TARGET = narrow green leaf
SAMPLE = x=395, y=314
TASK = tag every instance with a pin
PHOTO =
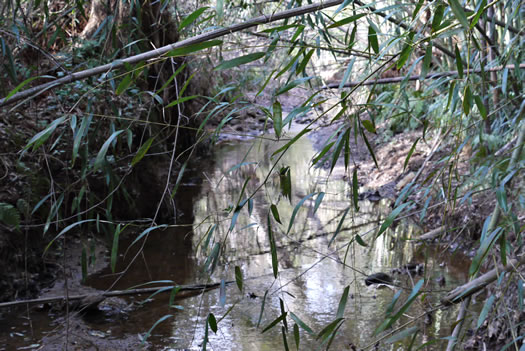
x=426, y=62
x=355, y=190
x=275, y=213
x=273, y=249
x=342, y=303
x=368, y=125
x=418, y=7
x=459, y=62
x=483, y=250
x=185, y=50
x=391, y=320
x=369, y=147
x=274, y=323
x=402, y=335
x=347, y=73
x=327, y=331
x=459, y=13
x=238, y=277
x=114, y=248
x=479, y=11
x=160, y=320
x=65, y=230
x=124, y=84
x=302, y=66
x=390, y=219
x=292, y=85
x=213, y=322
x=40, y=138
x=281, y=28
x=24, y=83
x=410, y=152
x=181, y=100
x=296, y=335
x=346, y=21
x=277, y=117
x=501, y=196
x=339, y=226
x=296, y=209
x=318, y=201
x=192, y=17
x=372, y=39
x=262, y=308
x=467, y=100
x=481, y=106
x=101, y=156
x=438, y=16
x=240, y=61
x=302, y=324
x=142, y=151
x=291, y=142
x=404, y=55
x=485, y=311
x=360, y=240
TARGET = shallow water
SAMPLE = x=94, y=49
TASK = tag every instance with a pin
x=312, y=274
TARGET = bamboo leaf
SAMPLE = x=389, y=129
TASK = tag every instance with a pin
x=124, y=84
x=372, y=39
x=302, y=324
x=239, y=61
x=101, y=156
x=192, y=17
x=292, y=85
x=291, y=142
x=272, y=324
x=212, y=322
x=40, y=138
x=275, y=213
x=390, y=219
x=438, y=16
x=277, y=117
x=185, y=50
x=273, y=249
x=142, y=151
x=459, y=62
x=23, y=84
x=410, y=152
x=318, y=201
x=114, y=248
x=346, y=21
x=296, y=209
x=459, y=13
x=485, y=311
x=339, y=226
x=342, y=303
x=355, y=190
x=426, y=62
x=160, y=320
x=238, y=278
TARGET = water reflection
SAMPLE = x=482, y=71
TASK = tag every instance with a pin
x=312, y=274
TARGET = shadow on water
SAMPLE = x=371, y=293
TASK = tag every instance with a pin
x=312, y=274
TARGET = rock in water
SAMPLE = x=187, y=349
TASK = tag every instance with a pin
x=378, y=278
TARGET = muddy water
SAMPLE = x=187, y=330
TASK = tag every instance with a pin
x=312, y=274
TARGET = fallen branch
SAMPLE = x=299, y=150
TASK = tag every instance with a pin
x=253, y=22
x=464, y=291
x=89, y=298
x=417, y=77
x=431, y=235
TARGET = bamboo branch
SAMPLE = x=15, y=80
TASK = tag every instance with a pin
x=253, y=22
x=466, y=290
x=416, y=77
x=101, y=296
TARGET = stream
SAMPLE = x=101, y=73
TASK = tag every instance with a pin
x=312, y=273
